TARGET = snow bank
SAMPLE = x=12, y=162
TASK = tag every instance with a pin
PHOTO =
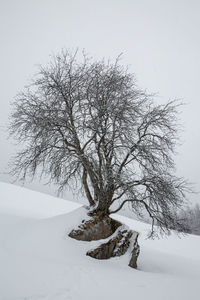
x=40, y=262
x=20, y=201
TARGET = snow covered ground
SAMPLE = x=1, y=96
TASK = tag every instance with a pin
x=39, y=262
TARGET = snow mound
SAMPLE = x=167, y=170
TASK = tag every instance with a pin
x=19, y=201
x=40, y=262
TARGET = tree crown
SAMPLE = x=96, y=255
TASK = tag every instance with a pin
x=87, y=120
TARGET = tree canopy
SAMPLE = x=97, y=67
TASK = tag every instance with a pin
x=87, y=121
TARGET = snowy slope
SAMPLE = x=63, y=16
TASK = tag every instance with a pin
x=39, y=262
x=20, y=201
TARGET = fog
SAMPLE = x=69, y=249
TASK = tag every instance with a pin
x=160, y=42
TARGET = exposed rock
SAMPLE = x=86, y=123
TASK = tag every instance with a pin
x=135, y=251
x=121, y=238
x=96, y=228
x=117, y=246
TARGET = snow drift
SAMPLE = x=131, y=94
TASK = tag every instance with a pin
x=40, y=262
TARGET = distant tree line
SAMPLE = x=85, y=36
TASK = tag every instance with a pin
x=191, y=217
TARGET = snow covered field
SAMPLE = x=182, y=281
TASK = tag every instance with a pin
x=39, y=262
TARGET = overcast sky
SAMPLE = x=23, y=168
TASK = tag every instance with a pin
x=159, y=39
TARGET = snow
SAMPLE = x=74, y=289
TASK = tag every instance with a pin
x=38, y=261
x=19, y=201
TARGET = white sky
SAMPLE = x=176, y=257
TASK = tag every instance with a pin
x=160, y=40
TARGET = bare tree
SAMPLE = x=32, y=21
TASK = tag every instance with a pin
x=87, y=121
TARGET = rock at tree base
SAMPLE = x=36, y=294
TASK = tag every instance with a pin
x=96, y=228
x=121, y=238
x=117, y=246
x=135, y=251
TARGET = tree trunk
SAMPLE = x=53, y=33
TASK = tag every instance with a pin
x=87, y=191
x=104, y=200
